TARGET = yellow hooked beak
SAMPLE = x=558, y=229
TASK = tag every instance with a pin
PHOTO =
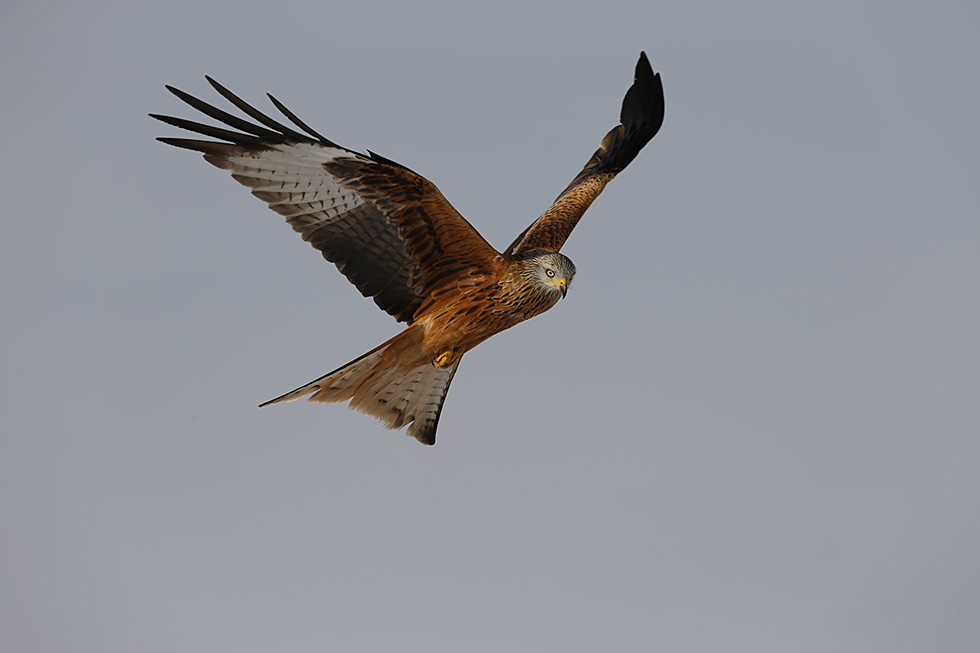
x=562, y=285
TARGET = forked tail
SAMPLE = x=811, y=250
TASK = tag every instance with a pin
x=392, y=382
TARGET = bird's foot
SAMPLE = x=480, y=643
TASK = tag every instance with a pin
x=448, y=358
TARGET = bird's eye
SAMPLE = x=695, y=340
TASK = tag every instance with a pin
x=550, y=272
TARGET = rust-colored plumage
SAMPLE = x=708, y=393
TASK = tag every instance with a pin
x=399, y=241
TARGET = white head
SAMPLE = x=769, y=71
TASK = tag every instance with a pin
x=551, y=273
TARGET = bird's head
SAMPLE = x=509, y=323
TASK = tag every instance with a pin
x=550, y=272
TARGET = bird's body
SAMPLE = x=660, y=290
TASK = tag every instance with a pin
x=396, y=238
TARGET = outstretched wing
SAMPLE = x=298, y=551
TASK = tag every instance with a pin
x=641, y=118
x=389, y=230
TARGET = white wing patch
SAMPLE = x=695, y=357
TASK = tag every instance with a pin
x=292, y=180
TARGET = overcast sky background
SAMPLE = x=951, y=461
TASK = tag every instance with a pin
x=752, y=425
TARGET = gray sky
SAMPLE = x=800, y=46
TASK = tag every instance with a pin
x=752, y=426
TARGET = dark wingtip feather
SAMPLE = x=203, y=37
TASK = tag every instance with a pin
x=299, y=123
x=208, y=148
x=238, y=138
x=643, y=105
x=254, y=113
x=641, y=117
x=224, y=116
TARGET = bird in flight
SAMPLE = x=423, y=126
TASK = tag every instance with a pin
x=399, y=241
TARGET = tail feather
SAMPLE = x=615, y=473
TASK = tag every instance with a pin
x=382, y=385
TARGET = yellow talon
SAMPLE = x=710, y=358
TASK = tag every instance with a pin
x=447, y=358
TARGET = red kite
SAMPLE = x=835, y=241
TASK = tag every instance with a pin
x=394, y=236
